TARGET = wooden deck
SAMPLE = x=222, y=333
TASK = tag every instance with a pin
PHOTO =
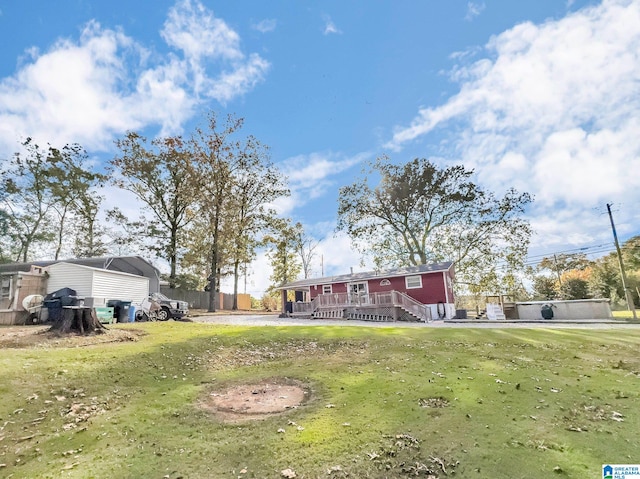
x=387, y=306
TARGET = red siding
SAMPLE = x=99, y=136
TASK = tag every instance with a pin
x=335, y=288
x=432, y=291
x=434, y=286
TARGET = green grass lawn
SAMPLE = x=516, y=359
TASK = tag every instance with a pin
x=382, y=402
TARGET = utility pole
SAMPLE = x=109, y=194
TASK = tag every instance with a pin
x=627, y=294
x=555, y=261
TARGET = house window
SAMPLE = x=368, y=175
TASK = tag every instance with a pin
x=413, y=282
x=326, y=289
x=385, y=282
x=5, y=287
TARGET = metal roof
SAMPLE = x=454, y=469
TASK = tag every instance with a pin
x=304, y=284
x=125, y=264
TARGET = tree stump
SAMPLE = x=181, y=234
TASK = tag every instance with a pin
x=78, y=319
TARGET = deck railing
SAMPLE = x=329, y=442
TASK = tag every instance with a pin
x=388, y=298
x=415, y=307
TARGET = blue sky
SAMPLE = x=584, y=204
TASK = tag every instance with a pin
x=541, y=95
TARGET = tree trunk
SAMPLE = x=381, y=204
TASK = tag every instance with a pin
x=78, y=320
x=173, y=256
x=235, y=285
x=214, y=263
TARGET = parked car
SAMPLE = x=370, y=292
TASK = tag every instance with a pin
x=168, y=308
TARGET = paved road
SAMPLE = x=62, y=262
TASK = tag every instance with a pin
x=274, y=320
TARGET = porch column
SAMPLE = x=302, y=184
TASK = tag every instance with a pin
x=284, y=303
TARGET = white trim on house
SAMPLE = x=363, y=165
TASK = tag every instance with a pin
x=325, y=290
x=407, y=279
x=358, y=291
x=446, y=286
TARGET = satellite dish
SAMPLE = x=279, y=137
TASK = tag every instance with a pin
x=33, y=302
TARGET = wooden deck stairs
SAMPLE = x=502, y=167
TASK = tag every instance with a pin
x=388, y=306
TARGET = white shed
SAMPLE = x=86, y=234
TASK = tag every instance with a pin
x=96, y=283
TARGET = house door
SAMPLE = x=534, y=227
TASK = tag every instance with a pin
x=358, y=293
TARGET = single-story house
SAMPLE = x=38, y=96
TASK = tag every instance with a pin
x=417, y=293
x=135, y=265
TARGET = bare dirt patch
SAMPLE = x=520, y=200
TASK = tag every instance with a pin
x=40, y=337
x=256, y=400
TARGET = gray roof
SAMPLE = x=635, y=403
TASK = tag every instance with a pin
x=124, y=264
x=304, y=284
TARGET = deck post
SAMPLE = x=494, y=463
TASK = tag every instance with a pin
x=284, y=304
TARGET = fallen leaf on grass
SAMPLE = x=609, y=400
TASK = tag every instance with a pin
x=576, y=429
x=288, y=473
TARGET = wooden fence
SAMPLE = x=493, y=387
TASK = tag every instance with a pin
x=200, y=299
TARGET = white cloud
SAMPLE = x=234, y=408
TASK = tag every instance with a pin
x=96, y=87
x=310, y=176
x=240, y=80
x=192, y=28
x=265, y=26
x=329, y=26
x=338, y=256
x=474, y=9
x=553, y=110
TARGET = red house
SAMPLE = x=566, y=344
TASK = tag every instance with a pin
x=417, y=293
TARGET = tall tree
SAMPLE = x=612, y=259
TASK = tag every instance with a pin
x=545, y=287
x=5, y=243
x=605, y=280
x=257, y=184
x=562, y=262
x=305, y=246
x=216, y=151
x=89, y=238
x=27, y=199
x=285, y=262
x=71, y=186
x=158, y=175
x=420, y=213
